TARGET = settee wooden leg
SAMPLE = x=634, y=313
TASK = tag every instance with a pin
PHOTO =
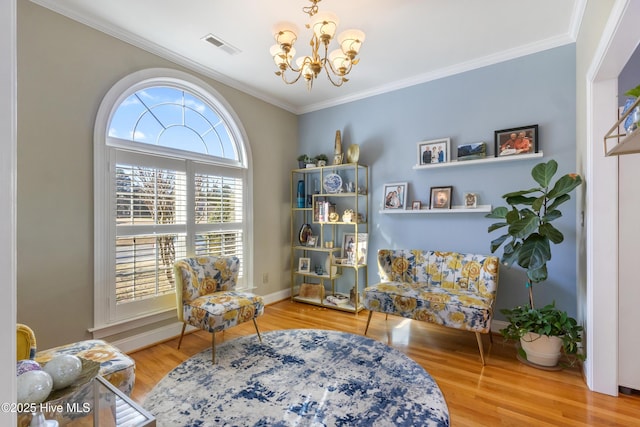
x=213, y=347
x=184, y=326
x=368, y=321
x=257, y=331
x=479, y=339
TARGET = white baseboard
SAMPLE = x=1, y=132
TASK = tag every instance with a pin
x=277, y=296
x=167, y=332
x=496, y=325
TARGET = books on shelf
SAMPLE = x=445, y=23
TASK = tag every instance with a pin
x=322, y=209
x=337, y=300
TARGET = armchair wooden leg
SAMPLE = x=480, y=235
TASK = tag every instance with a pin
x=213, y=347
x=368, y=321
x=184, y=326
x=257, y=331
x=479, y=339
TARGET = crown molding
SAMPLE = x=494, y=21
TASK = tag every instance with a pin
x=485, y=61
x=162, y=52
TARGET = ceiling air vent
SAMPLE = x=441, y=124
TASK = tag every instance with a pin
x=221, y=44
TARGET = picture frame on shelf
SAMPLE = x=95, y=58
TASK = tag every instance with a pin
x=352, y=253
x=474, y=151
x=470, y=200
x=395, y=196
x=416, y=205
x=304, y=265
x=434, y=151
x=516, y=141
x=312, y=241
x=441, y=197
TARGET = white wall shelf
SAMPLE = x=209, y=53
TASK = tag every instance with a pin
x=454, y=210
x=453, y=163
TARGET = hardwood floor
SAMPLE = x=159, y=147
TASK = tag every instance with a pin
x=505, y=392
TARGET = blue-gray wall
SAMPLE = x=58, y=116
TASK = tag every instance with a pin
x=467, y=107
x=629, y=76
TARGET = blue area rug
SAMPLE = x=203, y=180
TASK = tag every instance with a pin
x=299, y=377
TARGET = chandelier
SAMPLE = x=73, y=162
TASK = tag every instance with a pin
x=336, y=64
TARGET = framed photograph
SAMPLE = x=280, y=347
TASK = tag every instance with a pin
x=312, y=241
x=304, y=265
x=434, y=151
x=395, y=196
x=522, y=140
x=470, y=200
x=352, y=252
x=477, y=150
x=416, y=205
x=440, y=197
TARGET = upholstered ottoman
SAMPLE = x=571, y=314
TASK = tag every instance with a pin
x=115, y=366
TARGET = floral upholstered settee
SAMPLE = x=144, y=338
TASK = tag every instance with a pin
x=456, y=290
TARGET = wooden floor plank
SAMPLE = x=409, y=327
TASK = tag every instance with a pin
x=505, y=392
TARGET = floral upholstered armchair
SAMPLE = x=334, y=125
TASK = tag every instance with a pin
x=207, y=299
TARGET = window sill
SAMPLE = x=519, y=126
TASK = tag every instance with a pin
x=106, y=330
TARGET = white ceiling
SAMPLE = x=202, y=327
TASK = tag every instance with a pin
x=407, y=41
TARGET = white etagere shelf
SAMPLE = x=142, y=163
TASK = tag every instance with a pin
x=454, y=210
x=454, y=163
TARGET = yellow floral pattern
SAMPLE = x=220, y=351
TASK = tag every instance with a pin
x=453, y=289
x=206, y=295
x=115, y=366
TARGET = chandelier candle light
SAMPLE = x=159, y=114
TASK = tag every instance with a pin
x=336, y=64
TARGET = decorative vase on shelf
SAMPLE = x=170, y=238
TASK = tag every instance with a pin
x=631, y=122
x=300, y=194
x=337, y=150
x=353, y=153
x=328, y=268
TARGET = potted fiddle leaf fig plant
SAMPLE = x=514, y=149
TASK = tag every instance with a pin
x=527, y=242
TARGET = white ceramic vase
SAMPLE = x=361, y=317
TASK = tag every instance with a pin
x=541, y=349
x=330, y=270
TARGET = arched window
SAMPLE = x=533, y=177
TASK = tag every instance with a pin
x=171, y=175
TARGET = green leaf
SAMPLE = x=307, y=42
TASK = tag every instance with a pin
x=538, y=203
x=552, y=233
x=520, y=193
x=635, y=92
x=558, y=201
x=565, y=185
x=497, y=226
x=535, y=252
x=510, y=254
x=520, y=200
x=551, y=215
x=495, y=244
x=499, y=212
x=543, y=172
x=537, y=275
x=512, y=216
x=524, y=226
